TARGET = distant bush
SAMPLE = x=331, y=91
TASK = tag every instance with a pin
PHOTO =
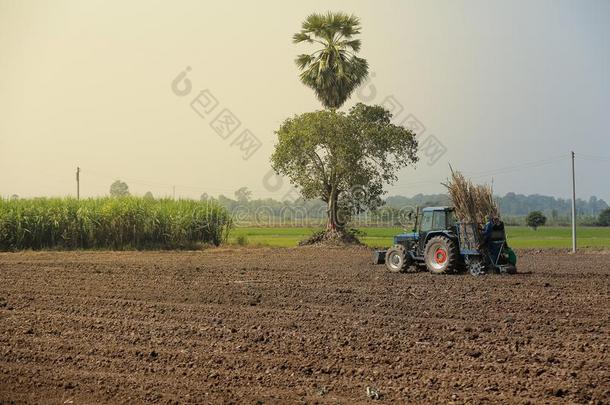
x=110, y=223
x=535, y=219
x=604, y=218
x=242, y=240
x=586, y=220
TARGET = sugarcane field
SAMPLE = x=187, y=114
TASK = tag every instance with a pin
x=304, y=202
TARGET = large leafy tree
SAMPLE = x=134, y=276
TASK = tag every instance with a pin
x=343, y=159
x=333, y=71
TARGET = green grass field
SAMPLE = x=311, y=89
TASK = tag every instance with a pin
x=518, y=236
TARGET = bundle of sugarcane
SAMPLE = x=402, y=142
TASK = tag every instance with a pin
x=472, y=202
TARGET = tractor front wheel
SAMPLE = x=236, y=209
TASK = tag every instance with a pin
x=441, y=255
x=397, y=260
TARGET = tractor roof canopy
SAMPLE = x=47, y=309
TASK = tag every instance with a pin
x=427, y=209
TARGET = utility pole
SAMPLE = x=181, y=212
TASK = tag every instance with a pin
x=78, y=183
x=573, y=207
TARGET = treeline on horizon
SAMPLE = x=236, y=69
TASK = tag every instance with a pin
x=512, y=204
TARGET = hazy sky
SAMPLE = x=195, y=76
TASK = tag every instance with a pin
x=507, y=87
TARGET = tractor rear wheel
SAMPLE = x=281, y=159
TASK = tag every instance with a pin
x=441, y=255
x=397, y=260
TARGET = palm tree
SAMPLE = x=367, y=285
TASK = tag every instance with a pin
x=334, y=71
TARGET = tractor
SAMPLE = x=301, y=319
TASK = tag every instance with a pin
x=445, y=245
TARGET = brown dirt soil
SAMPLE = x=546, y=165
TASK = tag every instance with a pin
x=299, y=325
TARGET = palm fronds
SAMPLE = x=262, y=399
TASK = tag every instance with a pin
x=333, y=71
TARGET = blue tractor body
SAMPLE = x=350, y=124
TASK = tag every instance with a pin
x=405, y=238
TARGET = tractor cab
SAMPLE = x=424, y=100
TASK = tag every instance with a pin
x=429, y=221
x=432, y=221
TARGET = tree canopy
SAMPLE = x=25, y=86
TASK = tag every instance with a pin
x=243, y=194
x=119, y=189
x=535, y=219
x=343, y=159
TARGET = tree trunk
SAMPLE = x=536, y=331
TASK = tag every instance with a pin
x=331, y=222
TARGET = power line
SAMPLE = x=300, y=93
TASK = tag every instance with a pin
x=495, y=172
x=475, y=175
x=517, y=167
x=604, y=159
x=169, y=186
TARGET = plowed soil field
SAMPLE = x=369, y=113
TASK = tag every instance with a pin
x=300, y=325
